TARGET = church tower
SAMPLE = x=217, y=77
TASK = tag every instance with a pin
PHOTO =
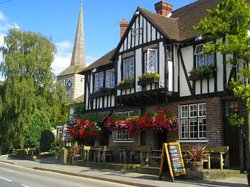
x=71, y=77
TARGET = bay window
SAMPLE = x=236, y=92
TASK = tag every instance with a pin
x=110, y=78
x=98, y=82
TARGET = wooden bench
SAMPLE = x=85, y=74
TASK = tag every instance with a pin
x=143, y=151
x=217, y=152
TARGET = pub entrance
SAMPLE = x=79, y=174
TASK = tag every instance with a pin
x=232, y=134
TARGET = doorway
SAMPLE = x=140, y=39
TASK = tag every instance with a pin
x=232, y=134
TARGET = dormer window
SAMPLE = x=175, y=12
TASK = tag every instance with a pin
x=129, y=67
x=151, y=61
x=203, y=59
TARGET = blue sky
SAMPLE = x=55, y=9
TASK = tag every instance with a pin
x=57, y=20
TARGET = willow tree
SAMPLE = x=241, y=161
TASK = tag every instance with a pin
x=228, y=28
x=29, y=83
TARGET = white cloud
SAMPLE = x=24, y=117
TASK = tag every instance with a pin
x=2, y=16
x=62, y=57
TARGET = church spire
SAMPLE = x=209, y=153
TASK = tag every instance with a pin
x=78, y=55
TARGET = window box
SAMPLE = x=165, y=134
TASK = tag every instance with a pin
x=203, y=72
x=148, y=78
x=148, y=81
x=102, y=92
x=126, y=84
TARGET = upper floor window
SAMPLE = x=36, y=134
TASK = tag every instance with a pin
x=99, y=77
x=110, y=78
x=193, y=125
x=203, y=59
x=151, y=61
x=129, y=67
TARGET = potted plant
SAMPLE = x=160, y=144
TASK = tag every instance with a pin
x=148, y=78
x=196, y=155
x=194, y=74
x=126, y=83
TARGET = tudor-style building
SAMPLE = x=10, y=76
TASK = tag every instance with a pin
x=166, y=43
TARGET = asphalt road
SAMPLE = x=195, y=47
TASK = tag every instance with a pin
x=17, y=176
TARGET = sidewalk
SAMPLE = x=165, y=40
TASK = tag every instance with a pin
x=135, y=179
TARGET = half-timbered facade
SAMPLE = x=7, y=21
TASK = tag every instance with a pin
x=165, y=44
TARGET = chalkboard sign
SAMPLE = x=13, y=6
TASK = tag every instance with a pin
x=172, y=153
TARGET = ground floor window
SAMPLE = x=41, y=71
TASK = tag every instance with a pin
x=193, y=125
x=123, y=136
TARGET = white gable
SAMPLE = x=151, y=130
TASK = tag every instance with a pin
x=140, y=32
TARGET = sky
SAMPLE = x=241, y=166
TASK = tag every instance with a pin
x=57, y=20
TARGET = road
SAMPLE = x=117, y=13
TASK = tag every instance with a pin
x=18, y=176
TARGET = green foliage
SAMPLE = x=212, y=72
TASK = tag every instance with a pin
x=236, y=120
x=29, y=84
x=58, y=146
x=149, y=76
x=38, y=123
x=127, y=81
x=203, y=72
x=47, y=139
x=229, y=26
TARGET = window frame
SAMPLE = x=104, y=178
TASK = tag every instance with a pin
x=147, y=63
x=128, y=69
x=110, y=78
x=98, y=81
x=193, y=122
x=205, y=57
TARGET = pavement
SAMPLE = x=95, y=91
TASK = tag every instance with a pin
x=130, y=178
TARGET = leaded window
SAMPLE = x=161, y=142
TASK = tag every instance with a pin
x=129, y=68
x=99, y=77
x=193, y=125
x=203, y=59
x=151, y=61
x=110, y=78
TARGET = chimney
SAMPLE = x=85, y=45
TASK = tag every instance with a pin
x=123, y=27
x=163, y=8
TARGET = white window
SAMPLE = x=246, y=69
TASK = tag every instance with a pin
x=123, y=136
x=110, y=78
x=203, y=59
x=98, y=81
x=151, y=61
x=129, y=67
x=193, y=124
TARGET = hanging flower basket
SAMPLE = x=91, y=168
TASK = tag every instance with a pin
x=160, y=121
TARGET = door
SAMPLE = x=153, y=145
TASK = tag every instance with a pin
x=231, y=134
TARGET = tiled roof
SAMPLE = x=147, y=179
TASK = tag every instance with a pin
x=180, y=26
x=103, y=61
x=79, y=99
x=73, y=69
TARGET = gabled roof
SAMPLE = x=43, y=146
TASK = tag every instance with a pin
x=73, y=69
x=180, y=26
x=103, y=61
x=167, y=26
